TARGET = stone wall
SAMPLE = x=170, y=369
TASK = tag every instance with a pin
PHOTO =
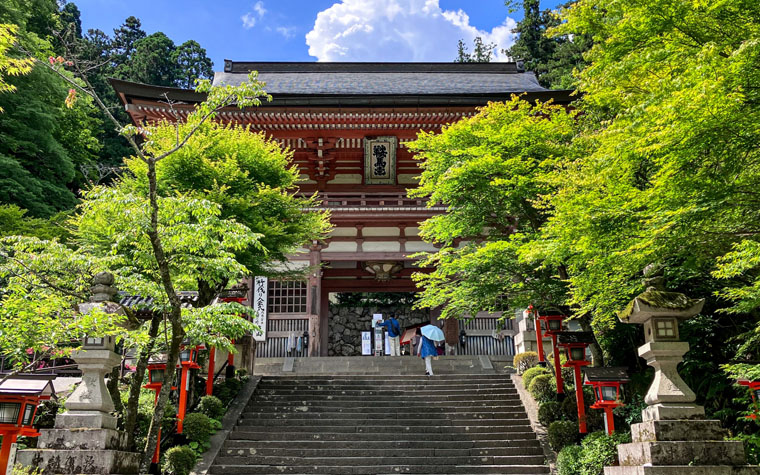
x=345, y=326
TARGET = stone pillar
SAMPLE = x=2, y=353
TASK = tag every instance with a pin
x=85, y=439
x=674, y=437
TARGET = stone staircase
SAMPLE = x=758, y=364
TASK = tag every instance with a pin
x=382, y=424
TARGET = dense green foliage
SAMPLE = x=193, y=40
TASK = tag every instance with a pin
x=561, y=434
x=554, y=57
x=658, y=165
x=251, y=178
x=50, y=148
x=596, y=451
x=549, y=412
x=568, y=460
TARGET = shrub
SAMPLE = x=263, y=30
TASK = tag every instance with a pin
x=561, y=434
x=599, y=450
x=568, y=460
x=531, y=373
x=179, y=460
x=212, y=406
x=227, y=390
x=594, y=417
x=524, y=361
x=549, y=412
x=197, y=427
x=543, y=388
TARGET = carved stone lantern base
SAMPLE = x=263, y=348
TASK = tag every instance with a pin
x=681, y=447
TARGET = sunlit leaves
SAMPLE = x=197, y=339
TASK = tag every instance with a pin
x=491, y=171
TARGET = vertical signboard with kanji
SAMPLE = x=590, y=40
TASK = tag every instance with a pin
x=260, y=288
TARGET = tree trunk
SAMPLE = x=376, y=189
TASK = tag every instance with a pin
x=113, y=390
x=163, y=396
x=596, y=350
x=130, y=416
x=175, y=316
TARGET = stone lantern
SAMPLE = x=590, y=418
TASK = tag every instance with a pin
x=674, y=437
x=85, y=439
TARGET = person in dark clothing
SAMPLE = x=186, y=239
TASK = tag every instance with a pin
x=394, y=333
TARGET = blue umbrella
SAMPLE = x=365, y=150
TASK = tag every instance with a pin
x=432, y=332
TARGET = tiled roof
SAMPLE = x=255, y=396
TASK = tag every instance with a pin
x=614, y=373
x=139, y=303
x=384, y=78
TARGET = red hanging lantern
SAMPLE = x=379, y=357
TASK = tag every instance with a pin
x=553, y=325
x=19, y=397
x=575, y=343
x=606, y=383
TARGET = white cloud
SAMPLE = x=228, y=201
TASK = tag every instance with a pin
x=398, y=30
x=286, y=31
x=250, y=18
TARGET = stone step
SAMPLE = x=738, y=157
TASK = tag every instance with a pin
x=383, y=415
x=376, y=436
x=332, y=405
x=359, y=422
x=253, y=435
x=388, y=459
x=377, y=427
x=387, y=392
x=422, y=398
x=352, y=384
x=381, y=452
x=371, y=444
x=431, y=467
x=443, y=379
x=299, y=407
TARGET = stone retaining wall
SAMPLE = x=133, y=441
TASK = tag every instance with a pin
x=346, y=324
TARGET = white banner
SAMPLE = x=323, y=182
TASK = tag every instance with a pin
x=366, y=343
x=260, y=293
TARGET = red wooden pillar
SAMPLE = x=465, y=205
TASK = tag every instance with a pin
x=182, y=399
x=579, y=400
x=211, y=369
x=9, y=437
x=557, y=366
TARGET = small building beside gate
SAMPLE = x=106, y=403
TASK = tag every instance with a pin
x=348, y=125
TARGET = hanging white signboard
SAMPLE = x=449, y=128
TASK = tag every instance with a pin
x=260, y=290
x=366, y=343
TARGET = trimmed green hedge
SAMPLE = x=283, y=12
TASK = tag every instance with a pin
x=179, y=460
x=543, y=388
x=532, y=373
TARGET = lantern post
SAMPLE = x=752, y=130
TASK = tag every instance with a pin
x=553, y=325
x=575, y=343
x=539, y=335
x=188, y=359
x=606, y=383
x=238, y=295
x=156, y=378
x=19, y=397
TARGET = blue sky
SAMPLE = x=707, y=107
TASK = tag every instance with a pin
x=312, y=30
